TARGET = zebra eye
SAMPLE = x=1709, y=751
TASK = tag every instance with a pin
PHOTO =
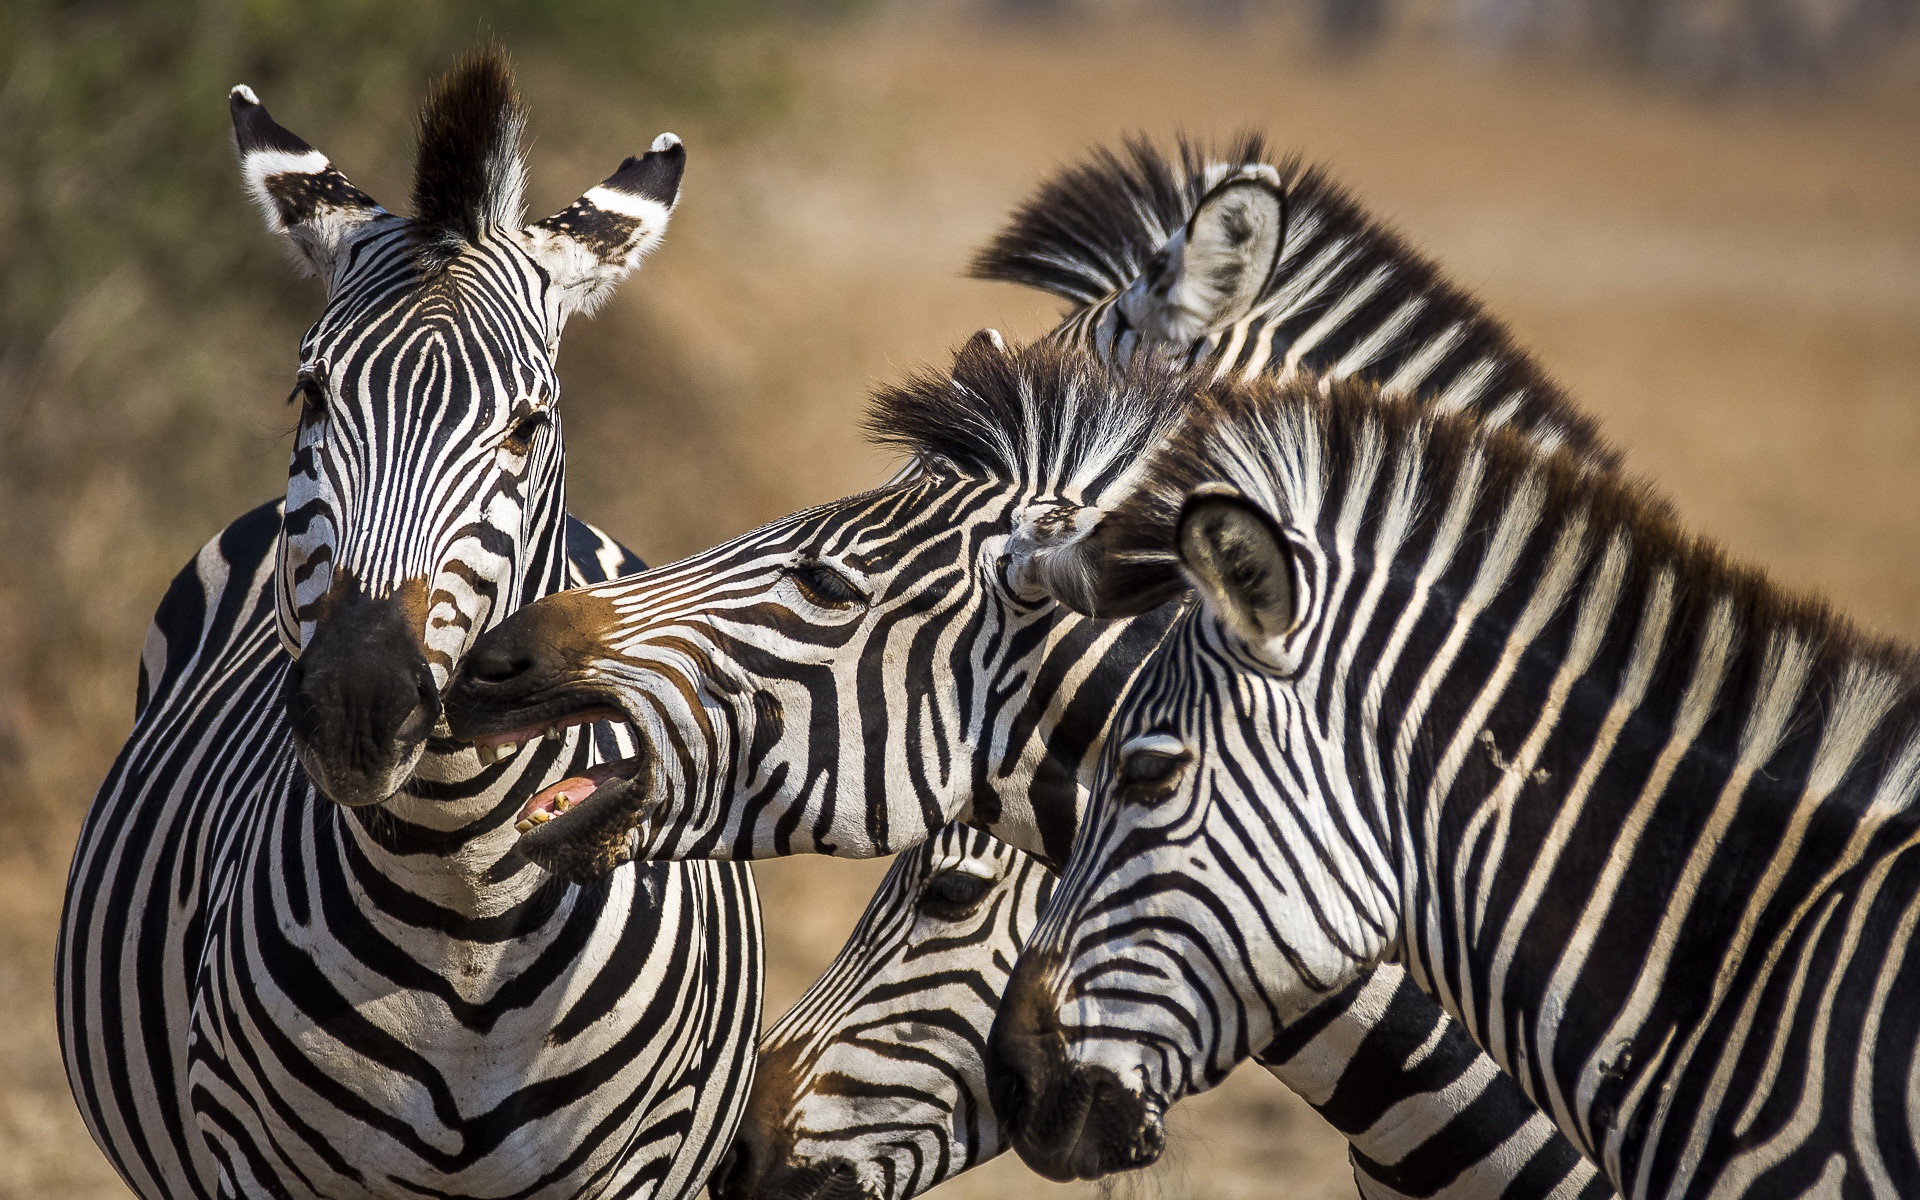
x=1148, y=772
x=312, y=396
x=824, y=586
x=519, y=437
x=953, y=894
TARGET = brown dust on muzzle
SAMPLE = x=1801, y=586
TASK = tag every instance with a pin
x=530, y=676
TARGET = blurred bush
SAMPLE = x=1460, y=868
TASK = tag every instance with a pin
x=147, y=322
x=1750, y=46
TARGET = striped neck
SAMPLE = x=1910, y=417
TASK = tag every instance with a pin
x=1620, y=787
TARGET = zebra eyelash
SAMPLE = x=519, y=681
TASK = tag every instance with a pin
x=1151, y=766
x=311, y=392
x=519, y=436
x=953, y=894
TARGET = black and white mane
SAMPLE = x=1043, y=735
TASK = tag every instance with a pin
x=1054, y=420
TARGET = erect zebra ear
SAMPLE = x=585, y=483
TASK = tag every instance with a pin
x=302, y=193
x=1240, y=564
x=1211, y=273
x=592, y=244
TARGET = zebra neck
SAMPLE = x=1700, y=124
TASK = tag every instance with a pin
x=1625, y=808
x=448, y=840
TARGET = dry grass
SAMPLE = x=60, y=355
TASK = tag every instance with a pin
x=1733, y=290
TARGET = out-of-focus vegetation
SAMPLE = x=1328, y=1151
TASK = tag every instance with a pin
x=1753, y=46
x=148, y=323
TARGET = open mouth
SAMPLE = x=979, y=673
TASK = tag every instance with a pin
x=499, y=747
x=580, y=828
x=563, y=797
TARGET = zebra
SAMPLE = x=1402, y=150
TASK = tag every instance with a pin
x=1642, y=820
x=874, y=1083
x=1122, y=209
x=299, y=956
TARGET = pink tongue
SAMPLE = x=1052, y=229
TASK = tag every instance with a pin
x=575, y=790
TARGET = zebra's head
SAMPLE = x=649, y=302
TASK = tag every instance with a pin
x=425, y=499
x=1230, y=874
x=848, y=679
x=877, y=1075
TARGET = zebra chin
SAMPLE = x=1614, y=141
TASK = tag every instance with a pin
x=1085, y=1124
x=582, y=840
x=1067, y=1120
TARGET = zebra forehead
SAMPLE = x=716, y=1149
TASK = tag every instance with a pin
x=1051, y=419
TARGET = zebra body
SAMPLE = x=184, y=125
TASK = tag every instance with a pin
x=299, y=956
x=1642, y=822
x=807, y=639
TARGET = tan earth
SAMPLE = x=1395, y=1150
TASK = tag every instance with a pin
x=1733, y=288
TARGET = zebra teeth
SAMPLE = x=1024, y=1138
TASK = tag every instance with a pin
x=523, y=826
x=561, y=803
x=490, y=755
x=540, y=817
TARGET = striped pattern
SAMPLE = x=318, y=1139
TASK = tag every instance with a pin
x=1640, y=820
x=1344, y=296
x=810, y=640
x=262, y=992
x=860, y=1082
x=948, y=529
x=877, y=1076
x=874, y=1076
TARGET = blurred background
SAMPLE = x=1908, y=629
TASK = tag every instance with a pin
x=1703, y=214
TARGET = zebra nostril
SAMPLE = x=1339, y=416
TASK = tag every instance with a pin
x=733, y=1174
x=496, y=666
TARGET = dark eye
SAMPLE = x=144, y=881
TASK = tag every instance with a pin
x=953, y=894
x=824, y=586
x=519, y=437
x=312, y=395
x=1148, y=772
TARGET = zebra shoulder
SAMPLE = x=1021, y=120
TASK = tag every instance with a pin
x=221, y=592
x=593, y=556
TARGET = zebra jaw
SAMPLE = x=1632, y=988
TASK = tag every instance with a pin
x=560, y=798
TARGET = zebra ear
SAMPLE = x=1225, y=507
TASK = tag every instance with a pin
x=588, y=247
x=1211, y=273
x=302, y=193
x=1240, y=564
